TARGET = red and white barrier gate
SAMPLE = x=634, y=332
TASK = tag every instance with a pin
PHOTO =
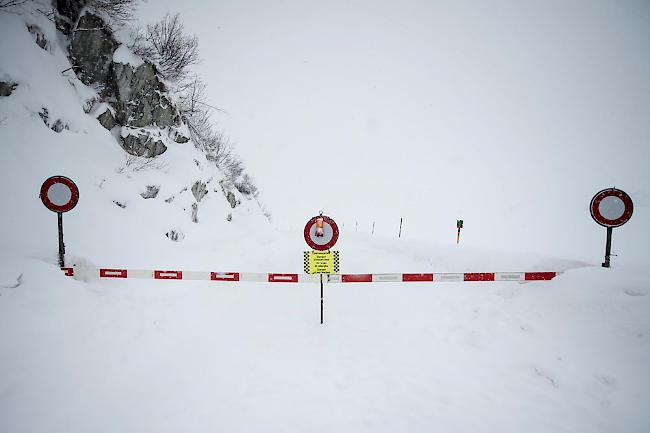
x=307, y=278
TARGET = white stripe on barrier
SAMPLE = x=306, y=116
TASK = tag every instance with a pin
x=106, y=273
x=443, y=278
x=387, y=278
x=509, y=276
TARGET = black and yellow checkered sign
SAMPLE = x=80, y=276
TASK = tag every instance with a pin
x=321, y=262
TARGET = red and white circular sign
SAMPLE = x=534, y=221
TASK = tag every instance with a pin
x=59, y=194
x=611, y=207
x=321, y=233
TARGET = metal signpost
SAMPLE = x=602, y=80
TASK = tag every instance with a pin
x=321, y=233
x=611, y=208
x=59, y=194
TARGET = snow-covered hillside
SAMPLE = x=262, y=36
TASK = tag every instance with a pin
x=80, y=355
x=113, y=222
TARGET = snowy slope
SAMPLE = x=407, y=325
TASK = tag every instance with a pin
x=135, y=355
x=98, y=229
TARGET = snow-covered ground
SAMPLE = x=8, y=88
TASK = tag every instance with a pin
x=137, y=355
x=567, y=355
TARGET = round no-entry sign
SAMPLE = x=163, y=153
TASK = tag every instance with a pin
x=321, y=233
x=611, y=207
x=59, y=194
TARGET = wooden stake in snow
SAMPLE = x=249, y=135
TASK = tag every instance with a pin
x=459, y=225
x=400, y=228
x=373, y=227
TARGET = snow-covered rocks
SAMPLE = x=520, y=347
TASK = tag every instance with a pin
x=140, y=142
x=91, y=51
x=7, y=88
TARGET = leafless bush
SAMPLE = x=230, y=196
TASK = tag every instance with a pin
x=246, y=186
x=135, y=164
x=119, y=12
x=11, y=3
x=166, y=43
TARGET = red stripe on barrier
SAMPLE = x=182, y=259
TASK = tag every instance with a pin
x=417, y=277
x=283, y=278
x=68, y=272
x=168, y=275
x=356, y=278
x=537, y=276
x=113, y=273
x=479, y=276
x=224, y=276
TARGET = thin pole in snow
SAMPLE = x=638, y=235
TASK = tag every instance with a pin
x=61, y=244
x=321, y=299
x=608, y=247
x=400, y=228
x=373, y=227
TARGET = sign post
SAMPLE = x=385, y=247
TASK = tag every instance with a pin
x=459, y=225
x=611, y=208
x=59, y=194
x=321, y=233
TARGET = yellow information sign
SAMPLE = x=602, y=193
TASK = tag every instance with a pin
x=321, y=262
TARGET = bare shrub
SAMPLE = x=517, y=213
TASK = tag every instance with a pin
x=11, y=3
x=119, y=12
x=169, y=46
x=138, y=163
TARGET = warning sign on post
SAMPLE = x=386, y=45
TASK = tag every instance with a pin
x=321, y=262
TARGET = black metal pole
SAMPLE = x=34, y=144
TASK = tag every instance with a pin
x=608, y=247
x=321, y=299
x=61, y=244
x=400, y=228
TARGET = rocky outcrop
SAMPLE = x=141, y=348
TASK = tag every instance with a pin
x=231, y=199
x=134, y=95
x=195, y=213
x=7, y=88
x=177, y=136
x=107, y=120
x=175, y=235
x=151, y=192
x=141, y=99
x=67, y=14
x=57, y=126
x=39, y=37
x=91, y=51
x=199, y=190
x=140, y=143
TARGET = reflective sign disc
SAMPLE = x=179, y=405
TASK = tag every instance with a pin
x=59, y=194
x=611, y=207
x=321, y=233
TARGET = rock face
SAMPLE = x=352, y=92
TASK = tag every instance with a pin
x=199, y=190
x=135, y=95
x=175, y=235
x=39, y=37
x=7, y=88
x=178, y=137
x=107, y=119
x=142, y=144
x=91, y=51
x=70, y=8
x=231, y=199
x=140, y=97
x=151, y=192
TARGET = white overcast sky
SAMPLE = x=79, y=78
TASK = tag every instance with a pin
x=509, y=114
